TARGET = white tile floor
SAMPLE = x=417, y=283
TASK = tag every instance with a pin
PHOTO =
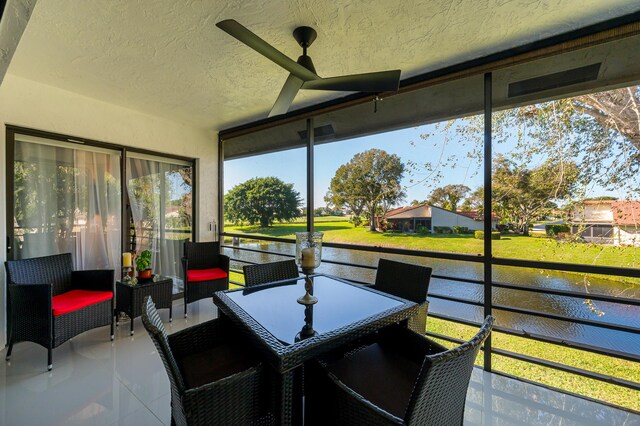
x=98, y=382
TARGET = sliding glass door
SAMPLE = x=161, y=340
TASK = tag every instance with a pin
x=159, y=191
x=67, y=198
x=96, y=201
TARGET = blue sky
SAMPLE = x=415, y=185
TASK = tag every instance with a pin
x=406, y=143
x=450, y=153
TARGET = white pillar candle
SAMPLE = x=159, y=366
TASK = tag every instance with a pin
x=126, y=260
x=308, y=258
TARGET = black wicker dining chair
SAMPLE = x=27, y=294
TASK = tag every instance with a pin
x=49, y=303
x=205, y=271
x=408, y=281
x=402, y=379
x=214, y=376
x=268, y=272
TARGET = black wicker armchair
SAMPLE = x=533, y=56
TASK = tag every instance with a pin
x=269, y=272
x=215, y=378
x=49, y=302
x=402, y=379
x=408, y=281
x=205, y=271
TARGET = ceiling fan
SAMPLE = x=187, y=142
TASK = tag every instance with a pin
x=303, y=74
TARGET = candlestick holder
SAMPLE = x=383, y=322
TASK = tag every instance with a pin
x=308, y=256
x=126, y=277
x=308, y=298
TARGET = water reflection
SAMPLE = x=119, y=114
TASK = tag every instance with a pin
x=558, y=305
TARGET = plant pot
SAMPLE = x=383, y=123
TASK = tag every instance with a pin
x=144, y=275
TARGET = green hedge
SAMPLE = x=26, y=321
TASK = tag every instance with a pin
x=480, y=235
x=423, y=230
x=442, y=230
x=553, y=230
x=460, y=230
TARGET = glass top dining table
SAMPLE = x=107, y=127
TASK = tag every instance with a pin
x=289, y=334
x=340, y=304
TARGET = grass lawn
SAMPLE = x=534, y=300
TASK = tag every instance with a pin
x=587, y=361
x=509, y=246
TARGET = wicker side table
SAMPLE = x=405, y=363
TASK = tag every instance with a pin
x=130, y=295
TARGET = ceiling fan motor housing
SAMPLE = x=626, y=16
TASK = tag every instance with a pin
x=305, y=36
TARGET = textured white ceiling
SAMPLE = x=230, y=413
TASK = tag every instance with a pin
x=168, y=59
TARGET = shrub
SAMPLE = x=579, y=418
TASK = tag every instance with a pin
x=460, y=230
x=423, y=230
x=480, y=235
x=553, y=230
x=442, y=230
x=356, y=220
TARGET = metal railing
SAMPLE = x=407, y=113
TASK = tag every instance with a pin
x=576, y=268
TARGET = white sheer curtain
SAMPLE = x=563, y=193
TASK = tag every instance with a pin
x=67, y=199
x=159, y=196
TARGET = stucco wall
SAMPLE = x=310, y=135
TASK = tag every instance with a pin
x=30, y=104
x=628, y=235
x=441, y=217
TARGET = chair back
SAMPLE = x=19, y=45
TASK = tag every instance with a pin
x=440, y=392
x=404, y=280
x=153, y=324
x=268, y=272
x=202, y=255
x=55, y=269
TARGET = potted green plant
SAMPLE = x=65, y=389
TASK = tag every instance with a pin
x=143, y=265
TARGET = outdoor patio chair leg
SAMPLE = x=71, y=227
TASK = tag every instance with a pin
x=171, y=313
x=9, y=349
x=49, y=359
x=185, y=307
x=113, y=321
x=131, y=328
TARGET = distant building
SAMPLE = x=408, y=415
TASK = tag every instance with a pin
x=614, y=222
x=409, y=219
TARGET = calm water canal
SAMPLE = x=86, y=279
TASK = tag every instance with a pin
x=565, y=306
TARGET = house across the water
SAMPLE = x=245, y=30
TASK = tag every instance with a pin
x=410, y=219
x=614, y=222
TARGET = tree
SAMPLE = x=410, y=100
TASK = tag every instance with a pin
x=475, y=201
x=448, y=197
x=600, y=132
x=369, y=180
x=524, y=195
x=263, y=201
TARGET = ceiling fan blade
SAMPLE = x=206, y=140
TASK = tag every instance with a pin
x=242, y=34
x=382, y=81
x=286, y=96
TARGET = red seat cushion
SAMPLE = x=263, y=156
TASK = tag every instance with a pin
x=194, y=275
x=77, y=299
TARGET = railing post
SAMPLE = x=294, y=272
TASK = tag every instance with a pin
x=487, y=214
x=220, y=188
x=310, y=140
